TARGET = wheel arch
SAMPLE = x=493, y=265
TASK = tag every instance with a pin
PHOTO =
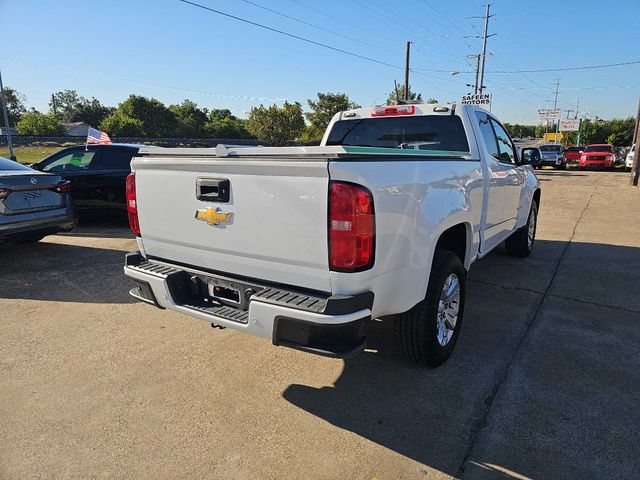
x=457, y=238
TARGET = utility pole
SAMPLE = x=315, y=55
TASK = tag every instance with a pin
x=481, y=57
x=635, y=166
x=5, y=113
x=484, y=46
x=555, y=105
x=406, y=73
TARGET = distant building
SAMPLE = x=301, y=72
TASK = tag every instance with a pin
x=76, y=129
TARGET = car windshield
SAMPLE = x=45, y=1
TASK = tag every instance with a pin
x=425, y=132
x=574, y=149
x=599, y=148
x=551, y=148
x=10, y=165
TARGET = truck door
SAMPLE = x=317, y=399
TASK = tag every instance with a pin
x=515, y=176
x=500, y=174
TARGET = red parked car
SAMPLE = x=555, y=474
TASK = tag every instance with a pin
x=573, y=154
x=597, y=155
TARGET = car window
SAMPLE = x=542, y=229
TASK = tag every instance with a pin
x=116, y=159
x=488, y=135
x=72, y=161
x=599, y=148
x=424, y=132
x=551, y=148
x=507, y=153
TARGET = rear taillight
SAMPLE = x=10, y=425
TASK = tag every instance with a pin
x=132, y=205
x=4, y=193
x=64, y=187
x=393, y=110
x=352, y=230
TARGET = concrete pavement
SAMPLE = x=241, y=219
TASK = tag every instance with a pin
x=544, y=382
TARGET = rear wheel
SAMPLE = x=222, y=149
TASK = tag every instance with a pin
x=520, y=243
x=428, y=332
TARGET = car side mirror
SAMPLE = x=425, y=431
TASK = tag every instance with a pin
x=36, y=166
x=530, y=156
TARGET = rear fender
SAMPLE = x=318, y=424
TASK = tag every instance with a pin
x=531, y=184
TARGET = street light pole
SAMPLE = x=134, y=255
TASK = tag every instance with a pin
x=5, y=113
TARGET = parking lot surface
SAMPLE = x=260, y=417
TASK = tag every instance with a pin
x=544, y=382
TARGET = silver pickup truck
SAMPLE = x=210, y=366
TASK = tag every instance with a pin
x=304, y=245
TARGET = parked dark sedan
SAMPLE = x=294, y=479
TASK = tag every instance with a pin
x=97, y=174
x=32, y=204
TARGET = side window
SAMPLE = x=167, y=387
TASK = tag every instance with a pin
x=116, y=159
x=488, y=135
x=507, y=153
x=72, y=161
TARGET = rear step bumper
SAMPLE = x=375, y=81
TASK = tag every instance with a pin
x=329, y=325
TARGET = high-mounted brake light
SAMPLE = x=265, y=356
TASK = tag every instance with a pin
x=393, y=110
x=352, y=230
x=132, y=204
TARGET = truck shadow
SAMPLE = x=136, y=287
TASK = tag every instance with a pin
x=433, y=415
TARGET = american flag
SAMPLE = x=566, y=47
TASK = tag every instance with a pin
x=96, y=136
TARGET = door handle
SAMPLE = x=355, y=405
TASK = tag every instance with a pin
x=213, y=189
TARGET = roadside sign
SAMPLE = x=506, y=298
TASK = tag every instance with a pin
x=481, y=100
x=553, y=137
x=569, y=125
x=549, y=113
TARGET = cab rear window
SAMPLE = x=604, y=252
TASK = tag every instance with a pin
x=434, y=132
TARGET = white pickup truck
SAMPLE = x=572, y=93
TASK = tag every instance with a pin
x=304, y=245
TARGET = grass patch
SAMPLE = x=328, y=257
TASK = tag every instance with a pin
x=29, y=154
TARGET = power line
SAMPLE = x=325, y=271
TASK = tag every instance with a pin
x=541, y=70
x=290, y=35
x=74, y=69
x=309, y=24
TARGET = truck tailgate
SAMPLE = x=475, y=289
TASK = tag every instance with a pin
x=277, y=230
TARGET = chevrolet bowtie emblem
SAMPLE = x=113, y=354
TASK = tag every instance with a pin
x=213, y=216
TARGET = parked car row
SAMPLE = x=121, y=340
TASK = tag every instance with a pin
x=47, y=197
x=600, y=156
x=629, y=158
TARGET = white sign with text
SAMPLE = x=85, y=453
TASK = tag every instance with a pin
x=481, y=100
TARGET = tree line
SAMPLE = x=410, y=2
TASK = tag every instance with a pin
x=618, y=132
x=139, y=116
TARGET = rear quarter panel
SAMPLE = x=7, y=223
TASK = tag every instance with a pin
x=414, y=201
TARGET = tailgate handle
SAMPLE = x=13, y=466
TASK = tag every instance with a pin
x=212, y=189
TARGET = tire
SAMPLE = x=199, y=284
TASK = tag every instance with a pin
x=417, y=330
x=562, y=167
x=519, y=244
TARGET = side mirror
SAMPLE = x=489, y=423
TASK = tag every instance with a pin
x=530, y=156
x=36, y=166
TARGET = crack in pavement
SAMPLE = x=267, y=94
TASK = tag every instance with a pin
x=481, y=423
x=554, y=295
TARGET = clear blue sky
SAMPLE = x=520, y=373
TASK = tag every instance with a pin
x=170, y=51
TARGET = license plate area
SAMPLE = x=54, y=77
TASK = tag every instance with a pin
x=230, y=292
